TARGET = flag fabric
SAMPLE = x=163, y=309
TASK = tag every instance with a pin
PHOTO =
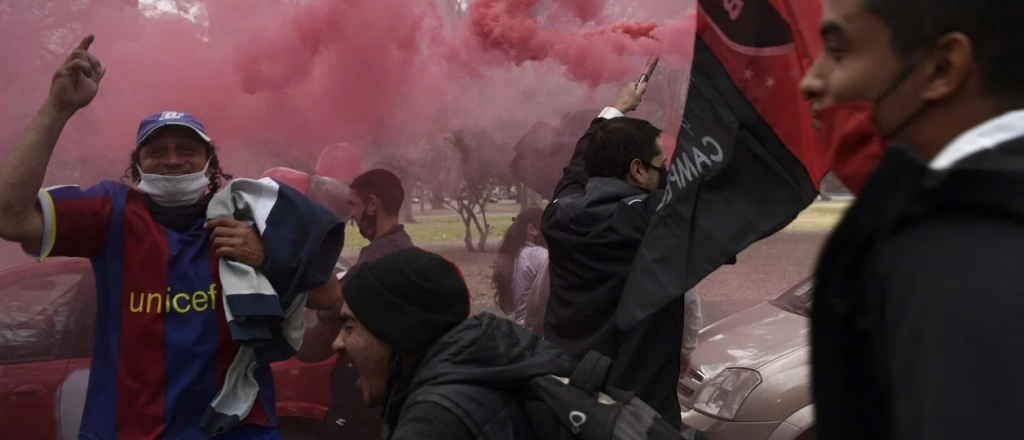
x=746, y=161
x=545, y=148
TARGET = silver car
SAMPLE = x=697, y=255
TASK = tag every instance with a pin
x=750, y=377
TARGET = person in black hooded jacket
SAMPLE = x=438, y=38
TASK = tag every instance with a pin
x=438, y=374
x=916, y=325
x=594, y=226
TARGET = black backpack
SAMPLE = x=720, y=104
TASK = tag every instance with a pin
x=582, y=407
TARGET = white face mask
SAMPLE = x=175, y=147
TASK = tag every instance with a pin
x=175, y=190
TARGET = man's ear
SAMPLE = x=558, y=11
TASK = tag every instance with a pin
x=951, y=67
x=636, y=170
x=372, y=205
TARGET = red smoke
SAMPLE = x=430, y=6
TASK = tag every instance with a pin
x=593, y=55
x=276, y=82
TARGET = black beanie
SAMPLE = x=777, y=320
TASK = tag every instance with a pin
x=408, y=299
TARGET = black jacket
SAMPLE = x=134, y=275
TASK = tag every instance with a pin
x=917, y=321
x=594, y=227
x=464, y=386
x=348, y=416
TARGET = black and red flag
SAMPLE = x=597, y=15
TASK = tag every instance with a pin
x=545, y=148
x=746, y=161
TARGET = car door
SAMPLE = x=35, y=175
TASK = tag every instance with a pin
x=76, y=347
x=35, y=303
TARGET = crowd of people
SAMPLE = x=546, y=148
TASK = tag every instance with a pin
x=919, y=104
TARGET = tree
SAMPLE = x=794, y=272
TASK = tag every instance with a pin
x=483, y=160
x=459, y=169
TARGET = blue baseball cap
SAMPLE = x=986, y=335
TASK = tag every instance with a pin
x=153, y=122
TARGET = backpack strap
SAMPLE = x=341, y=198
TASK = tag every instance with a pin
x=438, y=395
x=592, y=373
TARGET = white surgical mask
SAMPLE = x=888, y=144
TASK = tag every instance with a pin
x=175, y=190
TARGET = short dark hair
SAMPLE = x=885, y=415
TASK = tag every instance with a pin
x=384, y=185
x=616, y=143
x=992, y=25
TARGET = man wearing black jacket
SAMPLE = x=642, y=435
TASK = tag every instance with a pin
x=594, y=226
x=437, y=374
x=917, y=329
x=375, y=199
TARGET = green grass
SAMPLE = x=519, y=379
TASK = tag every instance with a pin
x=442, y=231
x=820, y=216
x=441, y=228
x=444, y=226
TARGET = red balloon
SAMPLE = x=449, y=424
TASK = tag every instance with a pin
x=340, y=162
x=288, y=176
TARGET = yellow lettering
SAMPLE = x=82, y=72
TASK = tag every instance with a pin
x=213, y=296
x=178, y=308
x=199, y=301
x=131, y=302
x=149, y=302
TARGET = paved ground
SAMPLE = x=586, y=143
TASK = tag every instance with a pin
x=762, y=272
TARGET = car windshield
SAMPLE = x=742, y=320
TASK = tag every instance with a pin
x=798, y=299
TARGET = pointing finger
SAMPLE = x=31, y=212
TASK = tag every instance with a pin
x=86, y=42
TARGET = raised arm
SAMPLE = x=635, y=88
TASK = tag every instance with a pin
x=74, y=86
x=574, y=176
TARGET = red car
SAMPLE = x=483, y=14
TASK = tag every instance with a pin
x=47, y=311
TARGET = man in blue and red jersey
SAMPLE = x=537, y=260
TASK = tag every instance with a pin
x=163, y=346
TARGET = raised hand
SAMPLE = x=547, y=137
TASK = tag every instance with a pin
x=77, y=80
x=630, y=97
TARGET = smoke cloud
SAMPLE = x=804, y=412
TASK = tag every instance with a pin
x=277, y=81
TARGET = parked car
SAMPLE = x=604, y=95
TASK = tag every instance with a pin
x=47, y=311
x=750, y=376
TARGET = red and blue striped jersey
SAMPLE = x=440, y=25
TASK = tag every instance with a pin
x=162, y=345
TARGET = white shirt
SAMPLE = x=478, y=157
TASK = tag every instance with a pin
x=528, y=264
x=610, y=113
x=989, y=134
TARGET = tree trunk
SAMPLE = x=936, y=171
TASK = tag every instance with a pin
x=436, y=200
x=469, y=238
x=464, y=214
x=485, y=232
x=407, y=217
x=479, y=230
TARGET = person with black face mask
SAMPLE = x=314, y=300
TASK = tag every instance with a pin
x=594, y=225
x=375, y=199
x=916, y=325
